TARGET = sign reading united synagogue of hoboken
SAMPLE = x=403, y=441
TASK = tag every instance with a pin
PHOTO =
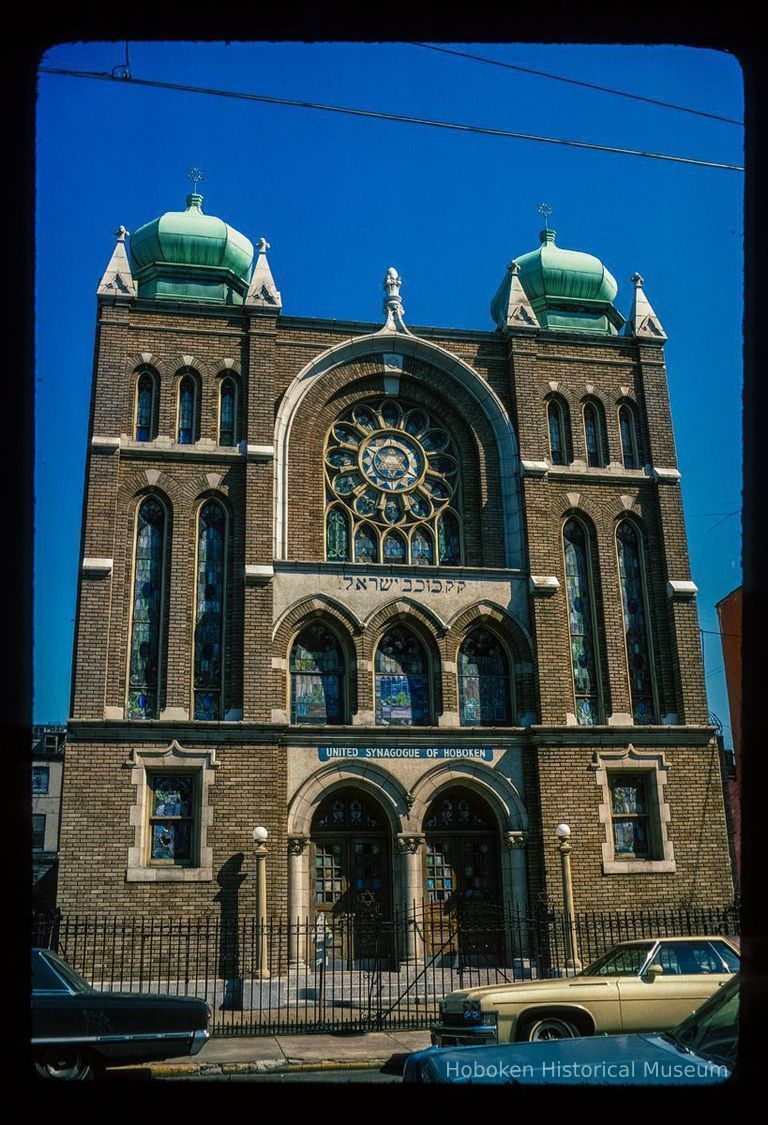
x=478, y=753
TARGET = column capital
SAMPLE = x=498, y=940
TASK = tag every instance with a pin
x=515, y=839
x=297, y=845
x=409, y=843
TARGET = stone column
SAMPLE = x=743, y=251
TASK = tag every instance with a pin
x=409, y=847
x=517, y=935
x=297, y=846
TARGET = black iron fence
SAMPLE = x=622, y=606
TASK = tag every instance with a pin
x=349, y=972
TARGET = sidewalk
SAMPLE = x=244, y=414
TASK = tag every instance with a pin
x=258, y=1054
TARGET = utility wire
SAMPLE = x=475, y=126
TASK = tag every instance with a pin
x=478, y=129
x=577, y=82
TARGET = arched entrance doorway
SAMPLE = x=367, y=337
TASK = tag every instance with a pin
x=462, y=879
x=351, y=879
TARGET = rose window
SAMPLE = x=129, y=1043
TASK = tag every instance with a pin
x=392, y=479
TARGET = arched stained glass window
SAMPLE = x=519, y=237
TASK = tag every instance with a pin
x=337, y=536
x=394, y=549
x=594, y=435
x=145, y=407
x=629, y=444
x=402, y=680
x=422, y=548
x=146, y=623
x=227, y=412
x=209, y=611
x=317, y=668
x=366, y=544
x=484, y=696
x=448, y=540
x=578, y=581
x=392, y=465
x=187, y=410
x=557, y=437
x=639, y=661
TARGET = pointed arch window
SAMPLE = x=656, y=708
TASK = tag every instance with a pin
x=188, y=410
x=402, y=680
x=366, y=544
x=630, y=448
x=144, y=673
x=484, y=683
x=146, y=407
x=559, y=446
x=594, y=435
x=209, y=611
x=337, y=536
x=636, y=631
x=228, y=412
x=581, y=623
x=317, y=675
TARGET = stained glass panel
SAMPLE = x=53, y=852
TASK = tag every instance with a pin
x=402, y=686
x=316, y=677
x=579, y=595
x=186, y=411
x=417, y=421
x=171, y=840
x=390, y=413
x=209, y=617
x=347, y=809
x=449, y=543
x=635, y=625
x=394, y=548
x=591, y=435
x=484, y=696
x=556, y=437
x=628, y=438
x=145, y=631
x=144, y=407
x=172, y=794
x=366, y=546
x=227, y=413
x=337, y=536
x=422, y=548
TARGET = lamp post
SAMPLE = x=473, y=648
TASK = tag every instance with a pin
x=563, y=833
x=260, y=847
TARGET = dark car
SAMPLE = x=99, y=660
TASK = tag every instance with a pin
x=77, y=1030
x=700, y=1051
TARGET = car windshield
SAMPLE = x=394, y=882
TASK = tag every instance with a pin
x=713, y=1029
x=626, y=961
x=73, y=978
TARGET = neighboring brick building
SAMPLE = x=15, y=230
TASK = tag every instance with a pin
x=48, y=745
x=408, y=597
x=729, y=613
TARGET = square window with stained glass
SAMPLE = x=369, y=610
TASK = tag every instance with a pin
x=172, y=804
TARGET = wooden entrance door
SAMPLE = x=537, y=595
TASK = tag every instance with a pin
x=352, y=881
x=461, y=880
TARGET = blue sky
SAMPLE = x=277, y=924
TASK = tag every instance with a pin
x=341, y=198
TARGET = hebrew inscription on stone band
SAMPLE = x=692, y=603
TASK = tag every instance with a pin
x=402, y=585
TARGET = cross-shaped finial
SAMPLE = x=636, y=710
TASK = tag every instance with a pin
x=545, y=210
x=636, y=280
x=195, y=175
x=262, y=245
x=121, y=233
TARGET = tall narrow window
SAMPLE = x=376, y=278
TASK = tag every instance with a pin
x=209, y=613
x=483, y=681
x=402, y=680
x=578, y=581
x=146, y=628
x=366, y=544
x=557, y=438
x=594, y=436
x=145, y=407
x=317, y=670
x=337, y=536
x=227, y=412
x=187, y=410
x=448, y=539
x=633, y=596
x=629, y=445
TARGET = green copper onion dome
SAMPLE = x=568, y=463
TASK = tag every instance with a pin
x=551, y=272
x=187, y=255
x=567, y=289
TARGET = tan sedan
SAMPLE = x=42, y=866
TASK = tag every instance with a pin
x=646, y=985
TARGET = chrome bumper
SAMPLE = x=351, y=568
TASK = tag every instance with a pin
x=447, y=1035
x=199, y=1039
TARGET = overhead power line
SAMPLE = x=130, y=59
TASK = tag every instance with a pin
x=578, y=82
x=477, y=129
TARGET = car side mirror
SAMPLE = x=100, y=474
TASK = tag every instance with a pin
x=652, y=972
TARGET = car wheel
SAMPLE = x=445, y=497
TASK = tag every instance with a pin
x=548, y=1027
x=64, y=1064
